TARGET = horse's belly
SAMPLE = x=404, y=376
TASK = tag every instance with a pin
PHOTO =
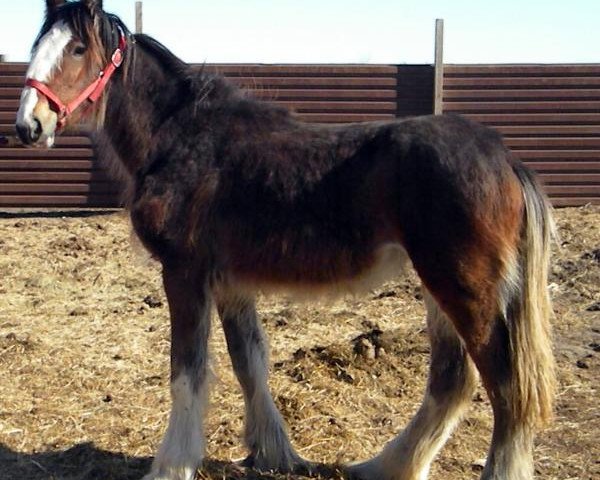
x=338, y=273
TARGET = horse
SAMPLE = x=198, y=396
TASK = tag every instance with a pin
x=234, y=196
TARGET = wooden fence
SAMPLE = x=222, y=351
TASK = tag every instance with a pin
x=549, y=114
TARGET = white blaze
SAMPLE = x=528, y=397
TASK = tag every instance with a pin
x=45, y=58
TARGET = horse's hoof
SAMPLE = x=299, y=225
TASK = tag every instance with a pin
x=369, y=470
x=172, y=473
x=293, y=464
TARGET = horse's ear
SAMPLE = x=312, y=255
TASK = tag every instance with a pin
x=93, y=5
x=52, y=5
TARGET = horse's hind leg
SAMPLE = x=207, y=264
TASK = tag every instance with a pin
x=510, y=454
x=182, y=448
x=265, y=433
x=506, y=332
x=516, y=367
x=452, y=380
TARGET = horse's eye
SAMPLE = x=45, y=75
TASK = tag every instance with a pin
x=79, y=50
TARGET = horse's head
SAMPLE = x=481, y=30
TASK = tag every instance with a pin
x=76, y=52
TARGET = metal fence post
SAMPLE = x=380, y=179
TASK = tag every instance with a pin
x=439, y=68
x=139, y=25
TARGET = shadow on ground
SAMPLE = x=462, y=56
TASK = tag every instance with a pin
x=87, y=462
x=81, y=462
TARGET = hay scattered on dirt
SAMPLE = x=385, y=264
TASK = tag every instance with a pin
x=84, y=343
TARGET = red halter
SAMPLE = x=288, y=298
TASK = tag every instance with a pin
x=91, y=93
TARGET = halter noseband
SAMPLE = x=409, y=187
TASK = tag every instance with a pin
x=91, y=93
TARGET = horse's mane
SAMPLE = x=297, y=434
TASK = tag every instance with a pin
x=162, y=54
x=204, y=85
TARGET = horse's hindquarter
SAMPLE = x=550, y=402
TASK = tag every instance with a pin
x=460, y=210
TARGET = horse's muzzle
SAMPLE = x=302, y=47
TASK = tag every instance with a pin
x=29, y=134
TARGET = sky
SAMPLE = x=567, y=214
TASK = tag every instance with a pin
x=345, y=31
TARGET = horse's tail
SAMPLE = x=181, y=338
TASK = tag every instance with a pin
x=529, y=310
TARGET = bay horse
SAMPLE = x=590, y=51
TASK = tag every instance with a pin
x=234, y=196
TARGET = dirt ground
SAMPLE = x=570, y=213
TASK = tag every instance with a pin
x=84, y=361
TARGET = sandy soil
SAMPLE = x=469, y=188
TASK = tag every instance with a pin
x=84, y=361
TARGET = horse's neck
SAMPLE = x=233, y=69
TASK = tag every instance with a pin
x=136, y=108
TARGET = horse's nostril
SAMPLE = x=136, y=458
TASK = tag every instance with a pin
x=23, y=133
x=37, y=130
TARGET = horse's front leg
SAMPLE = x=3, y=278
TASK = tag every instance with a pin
x=265, y=433
x=182, y=448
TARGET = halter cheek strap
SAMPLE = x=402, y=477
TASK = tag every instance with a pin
x=91, y=93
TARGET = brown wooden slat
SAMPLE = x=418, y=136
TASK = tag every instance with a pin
x=105, y=188
x=7, y=129
x=230, y=70
x=570, y=178
x=536, y=118
x=10, y=92
x=44, y=153
x=8, y=117
x=58, y=200
x=13, y=68
x=520, y=82
x=564, y=167
x=558, y=155
x=45, y=177
x=45, y=165
x=519, y=107
x=325, y=94
x=549, y=130
x=528, y=70
x=333, y=107
x=321, y=82
x=344, y=117
x=11, y=80
x=504, y=95
x=564, y=143
x=11, y=105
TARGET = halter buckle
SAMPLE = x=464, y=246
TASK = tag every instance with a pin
x=117, y=58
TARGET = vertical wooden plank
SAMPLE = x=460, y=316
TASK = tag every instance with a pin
x=439, y=67
x=139, y=24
